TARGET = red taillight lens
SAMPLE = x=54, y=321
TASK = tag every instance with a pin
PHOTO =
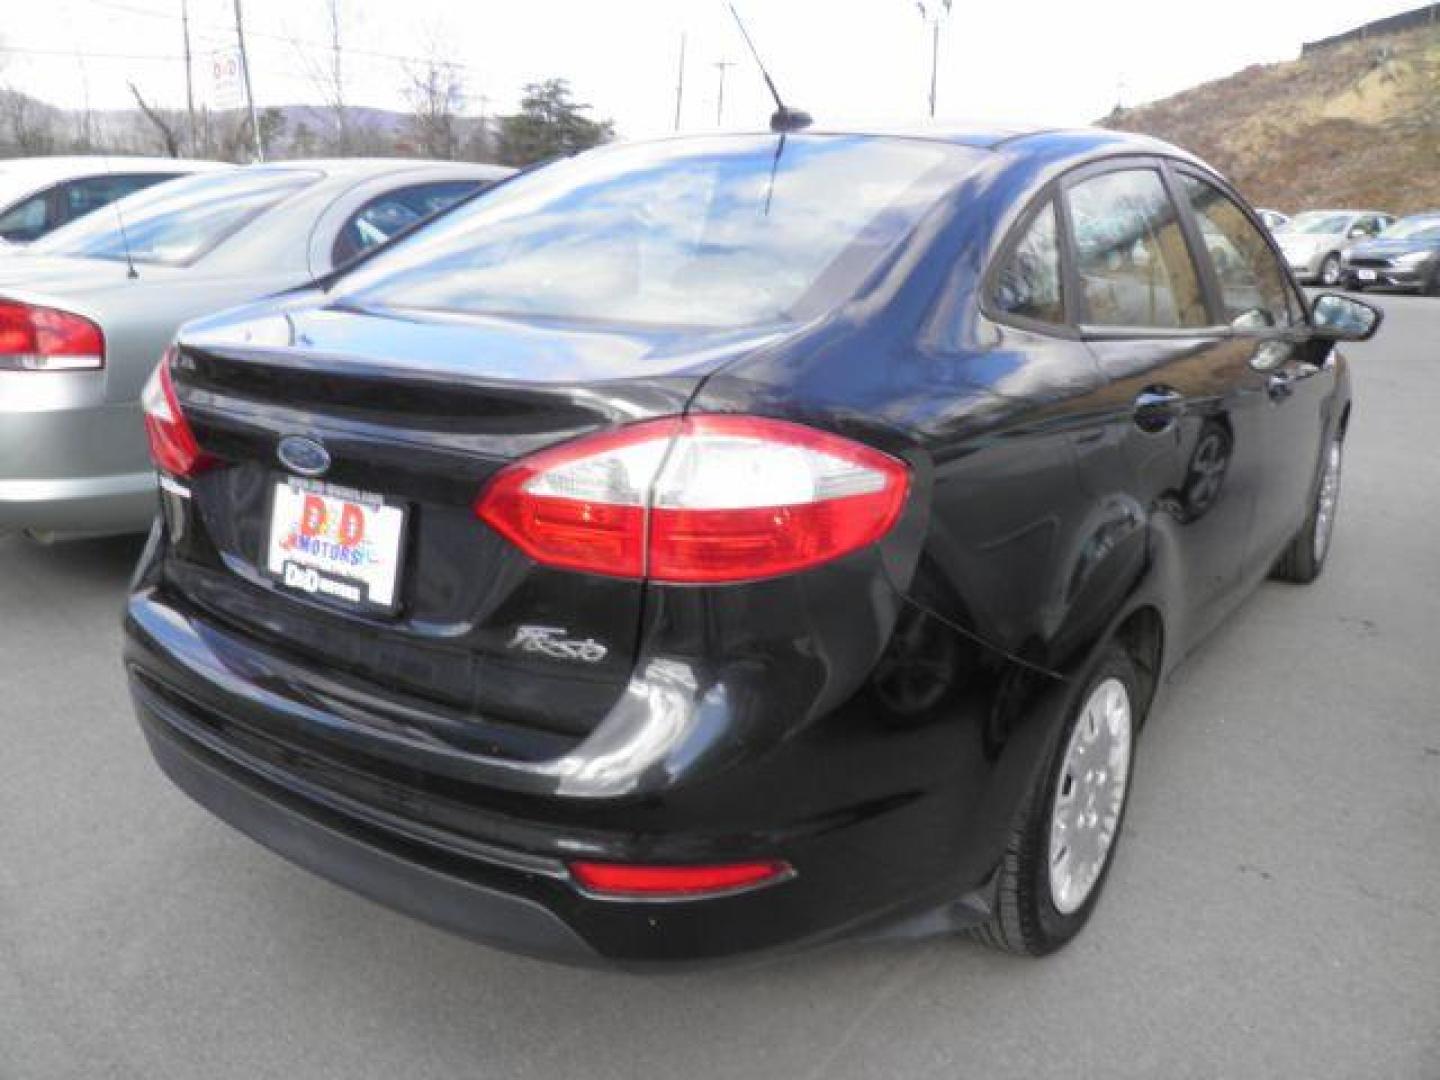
x=172, y=443
x=658, y=882
x=36, y=338
x=700, y=499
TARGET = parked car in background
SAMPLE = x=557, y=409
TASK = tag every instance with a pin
x=1405, y=256
x=1314, y=242
x=86, y=312
x=39, y=195
x=718, y=544
x=1273, y=219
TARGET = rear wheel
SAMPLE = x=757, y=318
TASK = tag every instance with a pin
x=1061, y=847
x=1433, y=288
x=1330, y=270
x=1305, y=557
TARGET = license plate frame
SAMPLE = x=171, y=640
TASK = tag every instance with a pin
x=312, y=576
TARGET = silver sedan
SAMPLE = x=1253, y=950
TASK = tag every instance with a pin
x=86, y=312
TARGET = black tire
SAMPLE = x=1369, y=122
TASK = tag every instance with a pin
x=1305, y=558
x=1330, y=270
x=1026, y=920
x=1433, y=288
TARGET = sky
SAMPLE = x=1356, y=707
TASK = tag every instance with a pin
x=1004, y=61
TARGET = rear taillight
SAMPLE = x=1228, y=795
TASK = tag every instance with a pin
x=172, y=443
x=637, y=882
x=36, y=338
x=699, y=499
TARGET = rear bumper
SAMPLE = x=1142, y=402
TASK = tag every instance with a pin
x=70, y=460
x=102, y=505
x=331, y=846
x=1389, y=277
x=495, y=869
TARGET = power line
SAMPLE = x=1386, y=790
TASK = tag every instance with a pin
x=81, y=54
x=115, y=5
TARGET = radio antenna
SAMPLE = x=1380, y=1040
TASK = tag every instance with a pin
x=124, y=236
x=784, y=118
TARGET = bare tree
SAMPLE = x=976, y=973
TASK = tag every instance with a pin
x=436, y=94
x=29, y=125
x=168, y=135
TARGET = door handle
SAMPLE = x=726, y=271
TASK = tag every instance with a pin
x=1157, y=408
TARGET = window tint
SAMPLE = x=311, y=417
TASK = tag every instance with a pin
x=175, y=224
x=1028, y=284
x=28, y=220
x=384, y=216
x=82, y=196
x=728, y=231
x=1130, y=254
x=1252, y=284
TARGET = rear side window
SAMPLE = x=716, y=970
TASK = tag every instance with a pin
x=1252, y=284
x=29, y=219
x=82, y=196
x=1131, y=258
x=1028, y=283
x=1369, y=225
x=385, y=215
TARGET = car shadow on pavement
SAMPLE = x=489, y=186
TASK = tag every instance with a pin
x=99, y=562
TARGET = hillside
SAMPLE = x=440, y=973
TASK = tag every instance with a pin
x=1354, y=124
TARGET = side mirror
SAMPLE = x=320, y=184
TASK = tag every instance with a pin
x=1343, y=318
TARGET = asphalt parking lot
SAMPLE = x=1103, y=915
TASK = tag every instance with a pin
x=1274, y=911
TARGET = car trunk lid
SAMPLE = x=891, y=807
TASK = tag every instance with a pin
x=419, y=412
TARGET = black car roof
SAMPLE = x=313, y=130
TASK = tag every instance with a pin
x=1047, y=143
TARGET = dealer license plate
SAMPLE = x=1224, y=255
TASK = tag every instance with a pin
x=336, y=544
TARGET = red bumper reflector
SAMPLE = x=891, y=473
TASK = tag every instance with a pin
x=650, y=882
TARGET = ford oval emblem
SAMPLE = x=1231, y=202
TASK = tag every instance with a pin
x=304, y=456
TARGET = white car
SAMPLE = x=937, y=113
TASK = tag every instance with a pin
x=38, y=195
x=1314, y=242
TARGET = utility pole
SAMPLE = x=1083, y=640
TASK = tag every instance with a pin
x=720, y=66
x=680, y=82
x=337, y=80
x=484, y=127
x=189, y=77
x=249, y=92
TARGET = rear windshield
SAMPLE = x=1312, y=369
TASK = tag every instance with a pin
x=1414, y=228
x=175, y=223
x=726, y=231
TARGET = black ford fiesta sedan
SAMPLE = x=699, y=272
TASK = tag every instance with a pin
x=718, y=544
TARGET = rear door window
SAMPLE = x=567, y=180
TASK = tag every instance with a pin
x=385, y=215
x=1132, y=262
x=1028, y=284
x=1253, y=291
